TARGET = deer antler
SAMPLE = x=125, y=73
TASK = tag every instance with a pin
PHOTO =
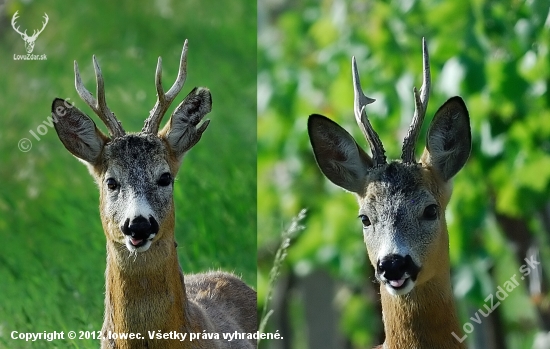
x=360, y=101
x=35, y=33
x=99, y=106
x=421, y=104
x=13, y=24
x=164, y=100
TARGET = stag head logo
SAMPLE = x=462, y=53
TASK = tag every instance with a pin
x=29, y=40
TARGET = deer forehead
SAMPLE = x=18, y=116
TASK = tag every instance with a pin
x=398, y=191
x=136, y=158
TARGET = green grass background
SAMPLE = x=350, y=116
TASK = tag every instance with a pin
x=52, y=250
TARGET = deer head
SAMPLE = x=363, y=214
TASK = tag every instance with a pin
x=401, y=203
x=29, y=40
x=135, y=172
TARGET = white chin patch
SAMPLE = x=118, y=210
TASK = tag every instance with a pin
x=399, y=287
x=134, y=245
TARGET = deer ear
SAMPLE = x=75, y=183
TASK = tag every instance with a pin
x=339, y=157
x=77, y=131
x=183, y=131
x=449, y=140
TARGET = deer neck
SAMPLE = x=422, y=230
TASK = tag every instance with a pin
x=423, y=319
x=145, y=292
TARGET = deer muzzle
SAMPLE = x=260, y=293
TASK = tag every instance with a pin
x=397, y=273
x=139, y=233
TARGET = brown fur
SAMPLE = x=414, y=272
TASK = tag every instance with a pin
x=426, y=317
x=148, y=292
x=142, y=298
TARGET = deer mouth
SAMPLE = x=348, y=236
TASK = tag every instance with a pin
x=137, y=242
x=398, y=287
x=397, y=284
x=397, y=273
x=134, y=244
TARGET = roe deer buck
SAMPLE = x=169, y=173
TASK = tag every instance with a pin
x=402, y=208
x=146, y=291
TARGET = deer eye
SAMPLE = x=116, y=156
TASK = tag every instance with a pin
x=165, y=179
x=112, y=184
x=365, y=220
x=430, y=212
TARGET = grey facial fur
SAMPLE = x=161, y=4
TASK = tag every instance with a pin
x=136, y=162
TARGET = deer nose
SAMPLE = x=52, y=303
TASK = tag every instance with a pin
x=140, y=227
x=394, y=267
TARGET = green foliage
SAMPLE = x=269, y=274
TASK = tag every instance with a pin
x=493, y=54
x=286, y=237
x=52, y=256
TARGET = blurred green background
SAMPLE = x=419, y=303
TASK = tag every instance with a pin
x=495, y=54
x=52, y=254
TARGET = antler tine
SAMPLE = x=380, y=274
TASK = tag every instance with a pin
x=165, y=99
x=421, y=104
x=99, y=106
x=46, y=19
x=360, y=101
x=14, y=23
